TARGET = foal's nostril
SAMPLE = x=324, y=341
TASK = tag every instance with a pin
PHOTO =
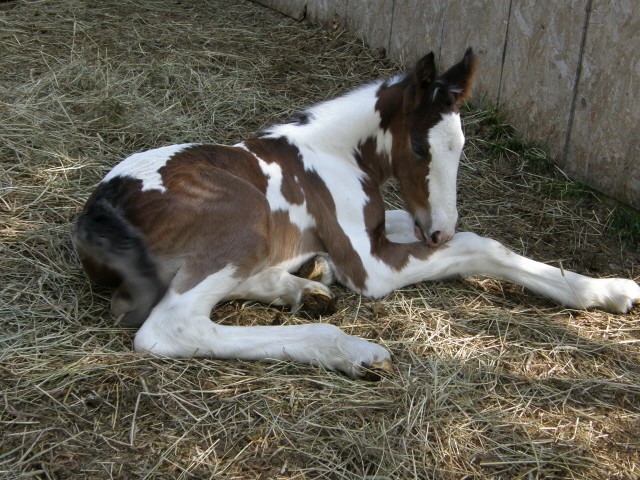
x=435, y=237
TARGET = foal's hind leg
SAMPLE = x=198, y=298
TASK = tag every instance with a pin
x=179, y=326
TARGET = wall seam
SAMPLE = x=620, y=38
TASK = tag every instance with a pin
x=504, y=54
x=444, y=21
x=576, y=86
x=393, y=11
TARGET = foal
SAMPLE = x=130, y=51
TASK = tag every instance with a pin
x=181, y=228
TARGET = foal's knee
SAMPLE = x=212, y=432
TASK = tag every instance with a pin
x=469, y=242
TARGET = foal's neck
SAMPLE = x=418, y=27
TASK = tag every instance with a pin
x=340, y=126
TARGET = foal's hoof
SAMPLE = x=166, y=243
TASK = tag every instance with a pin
x=617, y=295
x=376, y=371
x=316, y=303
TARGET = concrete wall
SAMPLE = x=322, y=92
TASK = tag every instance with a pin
x=566, y=73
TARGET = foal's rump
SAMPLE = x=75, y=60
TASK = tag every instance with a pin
x=142, y=236
x=114, y=253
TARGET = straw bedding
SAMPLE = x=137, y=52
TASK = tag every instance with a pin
x=491, y=382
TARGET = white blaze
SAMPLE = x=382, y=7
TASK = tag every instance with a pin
x=445, y=141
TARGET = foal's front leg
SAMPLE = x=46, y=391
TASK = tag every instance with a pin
x=470, y=254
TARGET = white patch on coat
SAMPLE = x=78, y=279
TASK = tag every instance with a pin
x=145, y=165
x=298, y=214
x=384, y=143
x=337, y=126
x=399, y=226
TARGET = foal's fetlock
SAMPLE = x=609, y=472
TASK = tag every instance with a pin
x=318, y=269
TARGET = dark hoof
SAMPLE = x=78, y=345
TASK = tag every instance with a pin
x=377, y=371
x=317, y=303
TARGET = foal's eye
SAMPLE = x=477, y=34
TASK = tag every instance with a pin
x=419, y=148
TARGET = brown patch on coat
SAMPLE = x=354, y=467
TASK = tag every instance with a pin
x=207, y=160
x=212, y=214
x=286, y=241
x=287, y=156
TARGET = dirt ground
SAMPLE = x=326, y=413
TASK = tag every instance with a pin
x=491, y=381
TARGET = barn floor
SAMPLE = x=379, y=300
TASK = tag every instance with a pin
x=491, y=381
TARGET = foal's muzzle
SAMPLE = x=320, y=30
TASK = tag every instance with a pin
x=435, y=238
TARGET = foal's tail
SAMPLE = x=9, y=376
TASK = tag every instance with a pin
x=114, y=251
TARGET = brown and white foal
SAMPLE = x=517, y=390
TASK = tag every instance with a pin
x=181, y=228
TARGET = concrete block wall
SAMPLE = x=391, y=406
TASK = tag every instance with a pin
x=566, y=73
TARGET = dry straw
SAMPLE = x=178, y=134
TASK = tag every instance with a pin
x=491, y=381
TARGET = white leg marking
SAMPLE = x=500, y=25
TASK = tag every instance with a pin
x=179, y=326
x=445, y=142
x=489, y=257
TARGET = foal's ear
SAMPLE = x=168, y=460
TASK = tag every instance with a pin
x=460, y=77
x=423, y=75
x=425, y=71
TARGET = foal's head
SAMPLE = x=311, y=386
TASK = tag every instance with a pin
x=426, y=154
